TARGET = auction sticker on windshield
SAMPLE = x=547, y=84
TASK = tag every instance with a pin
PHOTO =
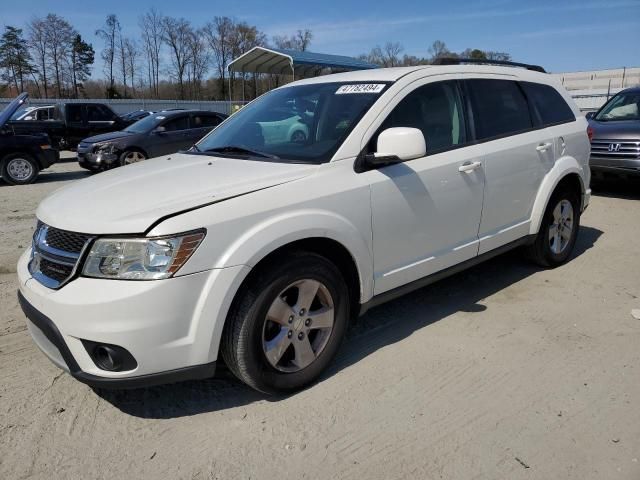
x=360, y=88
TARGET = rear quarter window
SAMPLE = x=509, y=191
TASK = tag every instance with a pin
x=550, y=105
x=499, y=108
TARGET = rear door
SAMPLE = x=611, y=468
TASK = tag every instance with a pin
x=200, y=125
x=517, y=154
x=100, y=119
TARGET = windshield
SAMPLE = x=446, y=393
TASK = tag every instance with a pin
x=300, y=124
x=621, y=107
x=146, y=124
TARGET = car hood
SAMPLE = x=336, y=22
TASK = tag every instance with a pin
x=12, y=108
x=107, y=137
x=616, y=130
x=130, y=199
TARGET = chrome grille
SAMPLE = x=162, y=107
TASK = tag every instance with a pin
x=55, y=254
x=66, y=241
x=615, y=149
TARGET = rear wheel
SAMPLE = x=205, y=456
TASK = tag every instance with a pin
x=558, y=230
x=287, y=324
x=131, y=156
x=19, y=169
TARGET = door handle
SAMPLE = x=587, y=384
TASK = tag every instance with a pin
x=543, y=146
x=469, y=166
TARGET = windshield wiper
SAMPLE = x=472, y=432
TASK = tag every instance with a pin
x=241, y=150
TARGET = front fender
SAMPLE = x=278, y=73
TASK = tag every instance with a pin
x=267, y=236
x=563, y=167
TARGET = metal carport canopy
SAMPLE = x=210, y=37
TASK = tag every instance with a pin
x=280, y=61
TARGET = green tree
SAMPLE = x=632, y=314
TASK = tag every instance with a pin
x=82, y=57
x=15, y=58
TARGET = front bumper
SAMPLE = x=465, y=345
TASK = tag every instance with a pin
x=171, y=327
x=93, y=161
x=614, y=167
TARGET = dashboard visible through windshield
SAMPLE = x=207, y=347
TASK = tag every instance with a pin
x=301, y=124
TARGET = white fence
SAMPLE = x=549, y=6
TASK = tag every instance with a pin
x=587, y=100
x=129, y=105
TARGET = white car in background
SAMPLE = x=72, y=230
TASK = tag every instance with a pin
x=258, y=249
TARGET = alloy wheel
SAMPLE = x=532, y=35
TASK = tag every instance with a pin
x=20, y=169
x=298, y=325
x=561, y=229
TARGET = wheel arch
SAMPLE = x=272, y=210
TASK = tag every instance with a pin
x=567, y=172
x=328, y=248
x=134, y=148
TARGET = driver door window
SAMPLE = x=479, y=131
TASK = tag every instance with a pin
x=434, y=109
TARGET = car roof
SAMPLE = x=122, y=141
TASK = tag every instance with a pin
x=395, y=73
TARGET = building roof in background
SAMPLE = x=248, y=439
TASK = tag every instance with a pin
x=276, y=60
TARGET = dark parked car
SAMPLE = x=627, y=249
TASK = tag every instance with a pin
x=74, y=121
x=22, y=156
x=615, y=132
x=158, y=134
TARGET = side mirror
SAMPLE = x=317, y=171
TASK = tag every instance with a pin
x=397, y=145
x=160, y=130
x=590, y=115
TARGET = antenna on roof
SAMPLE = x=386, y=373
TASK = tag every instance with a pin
x=459, y=61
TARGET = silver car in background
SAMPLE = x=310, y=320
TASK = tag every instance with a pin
x=615, y=136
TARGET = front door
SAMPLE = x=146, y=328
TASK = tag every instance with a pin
x=426, y=212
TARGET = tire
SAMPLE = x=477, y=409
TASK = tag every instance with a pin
x=19, y=169
x=553, y=246
x=131, y=156
x=298, y=137
x=270, y=314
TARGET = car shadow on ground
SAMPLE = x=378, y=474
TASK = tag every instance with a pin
x=50, y=177
x=382, y=326
x=627, y=189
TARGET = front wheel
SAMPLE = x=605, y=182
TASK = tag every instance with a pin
x=286, y=324
x=131, y=156
x=558, y=231
x=19, y=169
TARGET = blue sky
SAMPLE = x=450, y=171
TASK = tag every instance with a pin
x=561, y=35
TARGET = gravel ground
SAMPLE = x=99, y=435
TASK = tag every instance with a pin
x=503, y=371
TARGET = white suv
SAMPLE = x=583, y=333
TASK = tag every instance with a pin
x=257, y=249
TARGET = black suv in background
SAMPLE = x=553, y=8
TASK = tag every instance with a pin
x=22, y=156
x=155, y=135
x=74, y=121
x=615, y=136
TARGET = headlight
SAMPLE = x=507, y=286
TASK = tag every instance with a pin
x=104, y=148
x=140, y=258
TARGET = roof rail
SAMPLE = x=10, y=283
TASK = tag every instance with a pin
x=458, y=61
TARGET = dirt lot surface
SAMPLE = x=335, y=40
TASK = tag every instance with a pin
x=503, y=371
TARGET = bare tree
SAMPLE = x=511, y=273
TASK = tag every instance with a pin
x=109, y=35
x=121, y=54
x=131, y=54
x=152, y=33
x=298, y=41
x=218, y=34
x=59, y=37
x=176, y=34
x=37, y=30
x=200, y=60
x=438, y=49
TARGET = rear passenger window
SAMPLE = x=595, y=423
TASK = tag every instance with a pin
x=499, y=108
x=202, y=121
x=180, y=123
x=436, y=110
x=550, y=105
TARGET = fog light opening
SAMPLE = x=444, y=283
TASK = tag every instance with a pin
x=107, y=358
